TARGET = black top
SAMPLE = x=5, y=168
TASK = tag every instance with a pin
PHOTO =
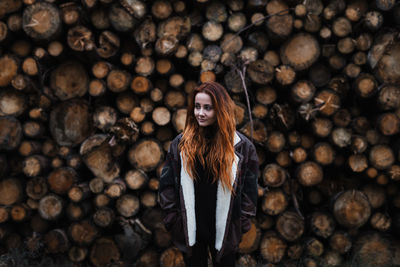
x=205, y=203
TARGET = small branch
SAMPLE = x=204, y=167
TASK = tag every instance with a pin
x=242, y=74
x=280, y=13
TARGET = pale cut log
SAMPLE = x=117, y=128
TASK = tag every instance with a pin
x=27, y=148
x=79, y=192
x=12, y=103
x=61, y=180
x=322, y=127
x=195, y=43
x=70, y=122
x=381, y=222
x=36, y=188
x=128, y=205
x=104, y=117
x=285, y=74
x=35, y=165
x=147, y=128
x=266, y=95
x=100, y=69
x=56, y=241
x=212, y=31
x=118, y=80
x=101, y=200
x=280, y=25
x=10, y=133
x=166, y=45
x=259, y=111
x=302, y=91
x=146, y=154
x=276, y=141
x=83, y=232
x=236, y=21
x=389, y=124
x=21, y=82
x=352, y=209
x=161, y=116
x=41, y=21
x=250, y=240
x=74, y=161
x=299, y=155
x=179, y=119
x=135, y=7
x=50, y=207
x=174, y=99
x=231, y=43
x=33, y=129
x=10, y=191
x=69, y=13
x=272, y=247
x=381, y=157
x=260, y=72
x=148, y=199
x=300, y=52
x=323, y=153
x=358, y=162
x=161, y=9
x=8, y=66
x=30, y=66
x=274, y=202
x=373, y=20
x=115, y=189
x=145, y=66
x=283, y=159
x=309, y=173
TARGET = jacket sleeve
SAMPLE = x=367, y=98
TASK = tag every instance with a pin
x=249, y=191
x=168, y=196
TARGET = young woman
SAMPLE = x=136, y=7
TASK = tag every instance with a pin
x=208, y=186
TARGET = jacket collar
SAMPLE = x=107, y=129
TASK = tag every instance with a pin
x=223, y=204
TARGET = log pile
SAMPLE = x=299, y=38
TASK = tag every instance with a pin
x=92, y=92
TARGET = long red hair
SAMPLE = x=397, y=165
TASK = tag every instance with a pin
x=221, y=153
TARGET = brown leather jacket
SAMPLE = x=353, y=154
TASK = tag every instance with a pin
x=233, y=211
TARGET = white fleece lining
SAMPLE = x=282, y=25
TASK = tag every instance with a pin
x=188, y=199
x=222, y=205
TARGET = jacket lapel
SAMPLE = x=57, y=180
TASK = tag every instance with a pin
x=222, y=205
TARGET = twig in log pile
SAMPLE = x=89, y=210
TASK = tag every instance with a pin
x=242, y=74
x=293, y=194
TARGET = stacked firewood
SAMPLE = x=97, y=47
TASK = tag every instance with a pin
x=93, y=91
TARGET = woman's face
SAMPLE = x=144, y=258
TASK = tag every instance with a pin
x=204, y=110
